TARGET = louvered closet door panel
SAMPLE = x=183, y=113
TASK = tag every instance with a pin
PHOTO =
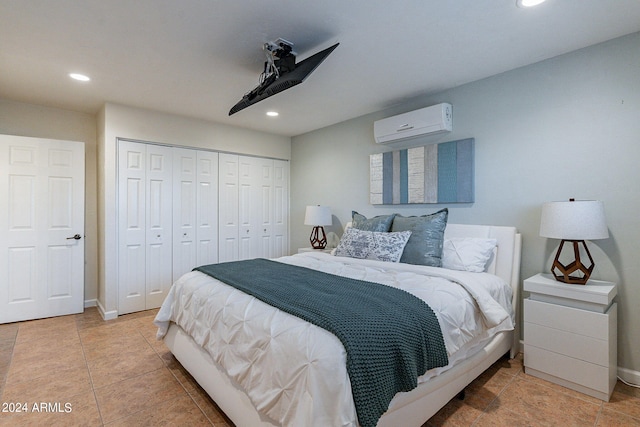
x=228, y=208
x=131, y=227
x=207, y=208
x=280, y=229
x=184, y=211
x=158, y=204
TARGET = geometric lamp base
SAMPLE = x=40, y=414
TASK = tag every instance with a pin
x=574, y=273
x=318, y=239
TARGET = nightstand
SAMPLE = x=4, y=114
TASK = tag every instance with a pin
x=570, y=335
x=301, y=250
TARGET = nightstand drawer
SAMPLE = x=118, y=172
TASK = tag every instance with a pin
x=569, y=344
x=574, y=320
x=573, y=370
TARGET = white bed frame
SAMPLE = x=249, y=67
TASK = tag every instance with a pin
x=406, y=409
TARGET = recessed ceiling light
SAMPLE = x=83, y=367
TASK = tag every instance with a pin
x=79, y=77
x=528, y=3
x=273, y=113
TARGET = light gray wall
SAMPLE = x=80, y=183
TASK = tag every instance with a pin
x=22, y=119
x=565, y=127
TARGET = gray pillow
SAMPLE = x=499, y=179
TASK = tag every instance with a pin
x=427, y=236
x=381, y=223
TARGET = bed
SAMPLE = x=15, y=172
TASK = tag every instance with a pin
x=239, y=389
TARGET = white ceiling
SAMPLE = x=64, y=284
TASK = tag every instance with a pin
x=198, y=57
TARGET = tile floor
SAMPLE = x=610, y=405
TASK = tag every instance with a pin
x=88, y=372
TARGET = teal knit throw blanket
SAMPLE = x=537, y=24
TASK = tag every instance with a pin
x=391, y=337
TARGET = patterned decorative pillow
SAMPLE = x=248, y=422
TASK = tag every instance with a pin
x=372, y=245
x=379, y=223
x=427, y=237
x=467, y=253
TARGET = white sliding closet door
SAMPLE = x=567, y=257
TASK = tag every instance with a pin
x=145, y=225
x=167, y=216
x=207, y=208
x=131, y=227
x=254, y=207
x=185, y=183
x=228, y=208
x=158, y=227
x=248, y=204
x=280, y=208
x=264, y=211
x=195, y=210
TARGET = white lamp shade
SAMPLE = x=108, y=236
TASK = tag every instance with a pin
x=317, y=215
x=574, y=220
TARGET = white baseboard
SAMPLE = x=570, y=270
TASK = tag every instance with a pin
x=628, y=375
x=90, y=303
x=632, y=377
x=106, y=315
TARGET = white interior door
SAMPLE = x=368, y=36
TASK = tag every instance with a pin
x=41, y=228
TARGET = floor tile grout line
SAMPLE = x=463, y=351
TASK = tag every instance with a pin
x=126, y=379
x=620, y=412
x=190, y=396
x=595, y=423
x=96, y=388
x=6, y=374
x=157, y=404
x=137, y=329
x=182, y=385
x=86, y=364
x=496, y=397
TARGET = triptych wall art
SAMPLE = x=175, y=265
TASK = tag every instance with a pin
x=436, y=173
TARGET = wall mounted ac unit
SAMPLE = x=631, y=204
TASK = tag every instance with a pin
x=425, y=121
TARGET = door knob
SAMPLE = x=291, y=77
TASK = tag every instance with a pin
x=76, y=237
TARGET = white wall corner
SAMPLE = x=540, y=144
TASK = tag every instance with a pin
x=106, y=315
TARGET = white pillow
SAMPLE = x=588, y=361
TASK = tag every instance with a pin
x=467, y=253
x=372, y=245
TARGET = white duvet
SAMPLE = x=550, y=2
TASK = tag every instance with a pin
x=295, y=372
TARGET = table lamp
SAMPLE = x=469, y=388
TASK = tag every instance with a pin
x=318, y=216
x=574, y=222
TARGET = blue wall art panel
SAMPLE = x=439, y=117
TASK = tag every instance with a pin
x=436, y=173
